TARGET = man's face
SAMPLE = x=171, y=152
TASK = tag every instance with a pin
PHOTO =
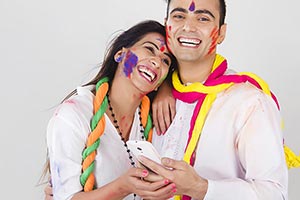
x=193, y=29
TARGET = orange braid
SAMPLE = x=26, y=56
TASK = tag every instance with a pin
x=87, y=179
x=94, y=136
x=145, y=108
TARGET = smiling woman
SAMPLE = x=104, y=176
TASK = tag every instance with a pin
x=89, y=130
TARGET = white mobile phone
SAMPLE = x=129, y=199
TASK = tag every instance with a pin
x=143, y=148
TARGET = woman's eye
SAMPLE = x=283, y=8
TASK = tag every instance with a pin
x=167, y=61
x=151, y=49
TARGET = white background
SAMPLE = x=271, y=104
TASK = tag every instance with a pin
x=47, y=48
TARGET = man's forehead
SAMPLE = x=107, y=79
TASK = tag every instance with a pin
x=192, y=4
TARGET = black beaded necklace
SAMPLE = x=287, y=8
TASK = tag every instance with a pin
x=115, y=121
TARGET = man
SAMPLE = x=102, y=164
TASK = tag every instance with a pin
x=239, y=154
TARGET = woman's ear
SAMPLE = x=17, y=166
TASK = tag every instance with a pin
x=119, y=55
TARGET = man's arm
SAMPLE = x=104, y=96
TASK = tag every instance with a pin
x=163, y=108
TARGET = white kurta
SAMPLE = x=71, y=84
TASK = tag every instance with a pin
x=67, y=134
x=240, y=150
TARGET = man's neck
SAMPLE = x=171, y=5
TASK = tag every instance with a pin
x=191, y=72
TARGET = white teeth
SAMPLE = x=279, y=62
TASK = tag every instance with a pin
x=188, y=45
x=149, y=74
x=189, y=42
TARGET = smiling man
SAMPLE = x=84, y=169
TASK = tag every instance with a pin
x=227, y=127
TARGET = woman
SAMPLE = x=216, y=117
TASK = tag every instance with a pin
x=87, y=134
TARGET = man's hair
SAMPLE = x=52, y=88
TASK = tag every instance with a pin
x=222, y=11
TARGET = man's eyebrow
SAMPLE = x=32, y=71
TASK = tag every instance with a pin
x=204, y=11
x=179, y=10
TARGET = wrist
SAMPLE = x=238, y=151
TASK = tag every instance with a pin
x=120, y=188
x=199, y=189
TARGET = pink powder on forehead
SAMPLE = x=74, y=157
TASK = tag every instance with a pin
x=192, y=6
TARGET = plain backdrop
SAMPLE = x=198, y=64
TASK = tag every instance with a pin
x=47, y=48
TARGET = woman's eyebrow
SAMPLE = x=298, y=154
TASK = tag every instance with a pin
x=152, y=44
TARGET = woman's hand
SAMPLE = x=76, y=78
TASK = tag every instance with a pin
x=163, y=108
x=185, y=178
x=135, y=181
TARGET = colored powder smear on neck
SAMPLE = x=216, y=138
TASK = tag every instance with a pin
x=130, y=62
x=192, y=6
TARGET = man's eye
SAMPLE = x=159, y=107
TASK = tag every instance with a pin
x=204, y=19
x=178, y=17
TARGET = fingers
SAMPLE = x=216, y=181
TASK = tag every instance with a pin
x=152, y=177
x=163, y=193
x=155, y=118
x=161, y=118
x=172, y=107
x=157, y=168
x=163, y=108
x=48, y=192
x=174, y=164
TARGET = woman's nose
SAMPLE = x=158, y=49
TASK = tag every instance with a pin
x=155, y=61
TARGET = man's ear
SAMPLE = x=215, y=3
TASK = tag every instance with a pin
x=222, y=33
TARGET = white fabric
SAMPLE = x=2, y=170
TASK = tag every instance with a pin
x=67, y=134
x=240, y=150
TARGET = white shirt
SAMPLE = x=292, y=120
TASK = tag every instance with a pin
x=67, y=134
x=240, y=150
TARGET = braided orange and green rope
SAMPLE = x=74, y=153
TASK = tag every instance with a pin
x=87, y=178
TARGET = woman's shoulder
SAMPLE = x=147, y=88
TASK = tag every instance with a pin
x=78, y=106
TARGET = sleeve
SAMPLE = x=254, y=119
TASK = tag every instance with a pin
x=65, y=142
x=261, y=155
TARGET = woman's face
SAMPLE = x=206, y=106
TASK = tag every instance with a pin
x=147, y=62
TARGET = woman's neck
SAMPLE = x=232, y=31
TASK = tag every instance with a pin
x=124, y=101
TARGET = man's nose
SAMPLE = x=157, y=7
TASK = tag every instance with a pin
x=189, y=26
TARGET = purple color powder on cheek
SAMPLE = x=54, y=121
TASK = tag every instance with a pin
x=130, y=62
x=192, y=6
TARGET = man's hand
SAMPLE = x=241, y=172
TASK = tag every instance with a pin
x=48, y=192
x=163, y=108
x=186, y=179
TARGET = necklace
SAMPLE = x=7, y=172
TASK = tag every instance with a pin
x=115, y=121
